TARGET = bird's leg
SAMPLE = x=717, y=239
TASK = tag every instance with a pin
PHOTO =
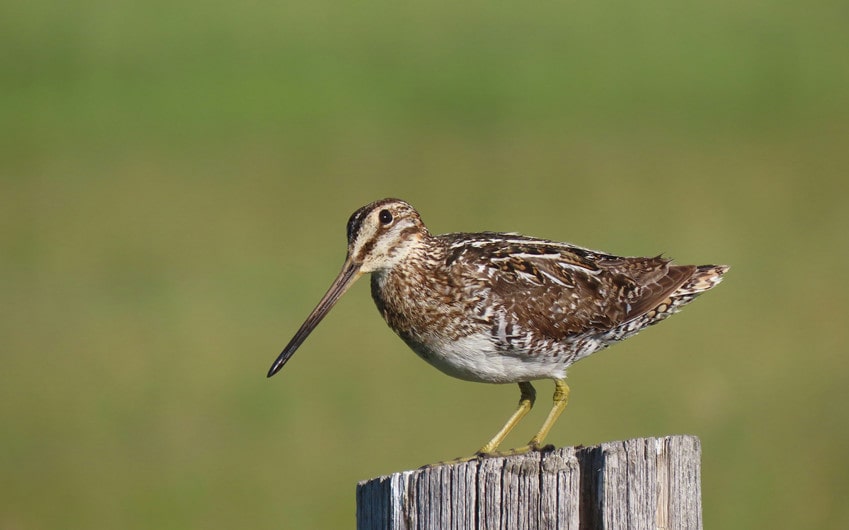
x=561, y=399
x=526, y=401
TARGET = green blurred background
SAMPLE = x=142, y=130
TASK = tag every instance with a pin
x=175, y=178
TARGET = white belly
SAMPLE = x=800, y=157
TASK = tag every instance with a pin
x=474, y=358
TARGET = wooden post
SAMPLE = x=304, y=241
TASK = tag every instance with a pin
x=645, y=483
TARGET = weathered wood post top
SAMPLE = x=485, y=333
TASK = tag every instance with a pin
x=644, y=483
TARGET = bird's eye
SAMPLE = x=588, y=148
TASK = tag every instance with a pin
x=385, y=217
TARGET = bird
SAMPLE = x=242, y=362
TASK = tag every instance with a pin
x=497, y=307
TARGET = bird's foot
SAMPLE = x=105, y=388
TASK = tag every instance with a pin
x=480, y=455
x=530, y=448
x=458, y=460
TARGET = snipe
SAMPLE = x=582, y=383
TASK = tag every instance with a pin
x=502, y=308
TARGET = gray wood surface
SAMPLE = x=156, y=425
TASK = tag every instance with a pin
x=645, y=483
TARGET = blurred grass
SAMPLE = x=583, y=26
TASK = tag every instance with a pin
x=174, y=183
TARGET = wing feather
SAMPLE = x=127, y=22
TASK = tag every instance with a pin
x=561, y=290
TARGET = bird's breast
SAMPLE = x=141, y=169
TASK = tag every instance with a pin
x=420, y=307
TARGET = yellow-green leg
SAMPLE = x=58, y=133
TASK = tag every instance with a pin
x=526, y=402
x=560, y=400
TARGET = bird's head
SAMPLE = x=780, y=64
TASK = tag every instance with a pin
x=380, y=235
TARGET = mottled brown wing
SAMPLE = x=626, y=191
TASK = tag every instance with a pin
x=561, y=292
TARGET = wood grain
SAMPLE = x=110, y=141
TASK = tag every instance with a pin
x=644, y=483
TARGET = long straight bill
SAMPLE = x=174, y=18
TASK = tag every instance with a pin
x=349, y=274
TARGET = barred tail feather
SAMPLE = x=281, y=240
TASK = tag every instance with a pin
x=705, y=277
x=701, y=279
